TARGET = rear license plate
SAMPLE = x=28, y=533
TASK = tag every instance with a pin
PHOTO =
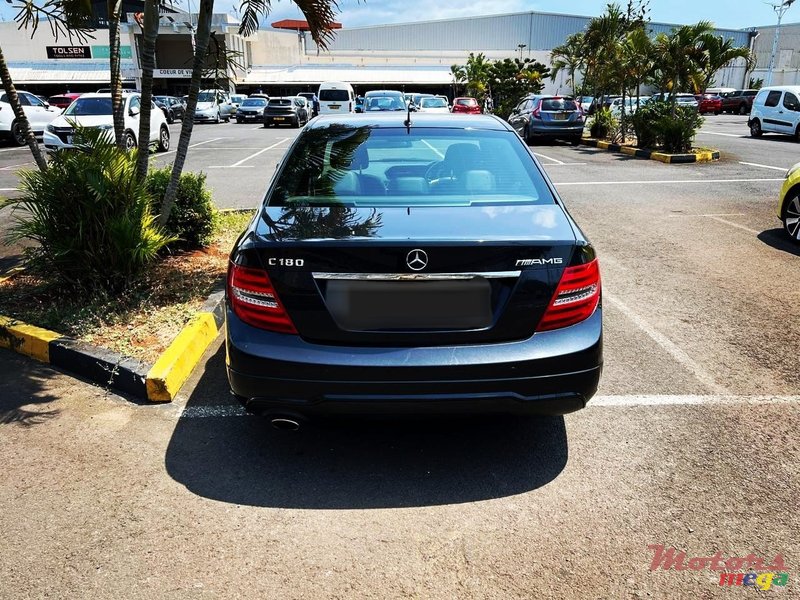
x=277, y=118
x=560, y=116
x=387, y=305
x=335, y=106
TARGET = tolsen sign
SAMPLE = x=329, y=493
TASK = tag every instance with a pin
x=69, y=52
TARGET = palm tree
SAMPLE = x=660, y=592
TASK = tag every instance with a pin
x=569, y=57
x=682, y=55
x=19, y=114
x=318, y=13
x=148, y=55
x=718, y=54
x=115, y=61
x=637, y=52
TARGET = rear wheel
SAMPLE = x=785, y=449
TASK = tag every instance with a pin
x=217, y=120
x=163, y=139
x=797, y=134
x=17, y=134
x=129, y=140
x=755, y=128
x=743, y=109
x=791, y=217
x=528, y=137
x=170, y=118
x=296, y=122
x=576, y=141
x=239, y=121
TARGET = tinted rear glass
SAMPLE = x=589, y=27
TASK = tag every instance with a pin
x=558, y=104
x=364, y=166
x=467, y=102
x=280, y=103
x=334, y=95
x=254, y=102
x=433, y=103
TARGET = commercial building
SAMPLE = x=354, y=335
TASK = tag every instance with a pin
x=411, y=56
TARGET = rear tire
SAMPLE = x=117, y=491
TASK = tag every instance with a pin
x=129, y=140
x=576, y=141
x=239, y=121
x=170, y=118
x=528, y=137
x=17, y=135
x=755, y=128
x=217, y=120
x=743, y=109
x=791, y=217
x=797, y=134
x=296, y=122
x=163, y=139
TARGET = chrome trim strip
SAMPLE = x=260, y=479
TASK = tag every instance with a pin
x=416, y=276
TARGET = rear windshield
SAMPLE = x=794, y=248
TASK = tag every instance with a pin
x=558, y=104
x=89, y=107
x=467, y=102
x=385, y=103
x=364, y=166
x=433, y=103
x=280, y=102
x=254, y=102
x=334, y=95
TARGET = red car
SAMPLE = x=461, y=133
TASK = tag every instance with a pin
x=709, y=103
x=62, y=101
x=468, y=106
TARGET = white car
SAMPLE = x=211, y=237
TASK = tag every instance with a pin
x=39, y=115
x=776, y=110
x=214, y=106
x=94, y=110
x=433, y=104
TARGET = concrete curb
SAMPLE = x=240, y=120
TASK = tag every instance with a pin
x=706, y=156
x=157, y=383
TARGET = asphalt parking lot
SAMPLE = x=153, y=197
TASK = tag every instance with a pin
x=691, y=442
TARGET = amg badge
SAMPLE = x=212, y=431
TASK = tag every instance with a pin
x=527, y=262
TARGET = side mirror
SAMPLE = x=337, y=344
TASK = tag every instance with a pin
x=134, y=111
x=47, y=105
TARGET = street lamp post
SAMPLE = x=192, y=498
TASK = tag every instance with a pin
x=521, y=47
x=780, y=10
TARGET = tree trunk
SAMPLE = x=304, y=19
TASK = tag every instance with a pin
x=114, y=14
x=19, y=114
x=148, y=59
x=205, y=11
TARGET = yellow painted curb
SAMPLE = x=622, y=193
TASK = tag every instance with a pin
x=628, y=150
x=705, y=156
x=26, y=339
x=665, y=158
x=174, y=366
x=11, y=273
x=603, y=145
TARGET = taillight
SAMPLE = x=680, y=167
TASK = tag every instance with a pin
x=255, y=301
x=537, y=112
x=576, y=297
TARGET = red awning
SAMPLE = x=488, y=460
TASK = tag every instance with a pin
x=298, y=25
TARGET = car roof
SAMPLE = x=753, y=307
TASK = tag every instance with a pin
x=397, y=119
x=383, y=93
x=108, y=94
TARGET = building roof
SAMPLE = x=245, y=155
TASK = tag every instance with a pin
x=66, y=71
x=314, y=74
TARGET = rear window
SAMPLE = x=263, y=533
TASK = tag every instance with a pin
x=334, y=95
x=372, y=167
x=773, y=98
x=467, y=102
x=558, y=104
x=433, y=103
x=254, y=102
x=280, y=102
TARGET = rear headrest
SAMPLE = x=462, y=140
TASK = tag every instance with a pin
x=341, y=157
x=461, y=157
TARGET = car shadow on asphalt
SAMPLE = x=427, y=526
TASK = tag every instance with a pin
x=23, y=398
x=357, y=464
x=778, y=238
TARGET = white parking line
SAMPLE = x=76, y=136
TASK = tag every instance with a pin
x=668, y=346
x=736, y=135
x=709, y=215
x=9, y=167
x=645, y=182
x=666, y=400
x=749, y=164
x=555, y=160
x=191, y=146
x=244, y=160
x=564, y=164
x=25, y=148
x=7, y=189
x=732, y=224
x=439, y=154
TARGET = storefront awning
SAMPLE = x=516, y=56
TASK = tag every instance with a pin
x=66, y=71
x=315, y=74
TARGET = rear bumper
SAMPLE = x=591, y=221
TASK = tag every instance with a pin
x=556, y=130
x=554, y=372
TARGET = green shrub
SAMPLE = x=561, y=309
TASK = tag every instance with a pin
x=89, y=216
x=657, y=127
x=191, y=221
x=604, y=123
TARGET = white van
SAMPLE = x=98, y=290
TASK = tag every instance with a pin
x=336, y=97
x=776, y=110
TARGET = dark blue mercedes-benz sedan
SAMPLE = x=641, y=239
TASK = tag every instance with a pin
x=412, y=263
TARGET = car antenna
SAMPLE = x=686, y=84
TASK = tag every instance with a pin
x=407, y=122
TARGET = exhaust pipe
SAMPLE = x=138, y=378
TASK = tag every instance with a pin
x=285, y=423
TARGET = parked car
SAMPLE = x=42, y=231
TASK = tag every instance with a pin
x=375, y=283
x=789, y=204
x=416, y=98
x=384, y=100
x=738, y=102
x=214, y=106
x=251, y=109
x=290, y=110
x=709, y=103
x=631, y=105
x=62, y=101
x=776, y=110
x=237, y=99
x=548, y=117
x=94, y=110
x=466, y=105
x=39, y=114
x=587, y=104
x=436, y=104
x=259, y=95
x=336, y=97
x=313, y=102
x=680, y=99
x=173, y=108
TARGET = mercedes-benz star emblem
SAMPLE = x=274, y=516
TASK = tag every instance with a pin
x=417, y=260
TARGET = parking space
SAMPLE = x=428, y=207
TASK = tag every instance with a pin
x=690, y=442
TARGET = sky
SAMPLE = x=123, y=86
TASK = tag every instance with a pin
x=733, y=14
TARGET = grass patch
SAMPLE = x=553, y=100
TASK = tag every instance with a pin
x=143, y=320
